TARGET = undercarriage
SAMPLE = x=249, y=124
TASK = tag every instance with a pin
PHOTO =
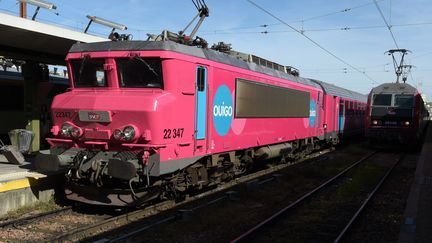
x=123, y=178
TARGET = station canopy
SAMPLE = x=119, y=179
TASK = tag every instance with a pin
x=26, y=39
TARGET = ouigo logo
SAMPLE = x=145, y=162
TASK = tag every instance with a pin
x=222, y=110
x=312, y=113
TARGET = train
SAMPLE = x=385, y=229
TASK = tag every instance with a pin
x=396, y=115
x=157, y=119
x=12, y=87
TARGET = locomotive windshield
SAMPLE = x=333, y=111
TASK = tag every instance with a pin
x=88, y=72
x=138, y=72
x=382, y=99
x=405, y=101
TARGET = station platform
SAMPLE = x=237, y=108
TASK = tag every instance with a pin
x=417, y=226
x=21, y=185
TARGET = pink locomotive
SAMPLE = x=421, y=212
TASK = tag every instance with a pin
x=147, y=119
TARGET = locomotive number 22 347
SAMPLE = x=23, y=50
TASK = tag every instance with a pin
x=173, y=133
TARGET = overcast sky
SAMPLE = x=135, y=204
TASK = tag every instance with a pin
x=351, y=30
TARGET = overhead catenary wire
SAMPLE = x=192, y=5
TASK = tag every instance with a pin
x=311, y=40
x=345, y=28
x=421, y=55
x=334, y=12
x=224, y=31
x=390, y=12
x=347, y=9
x=386, y=23
x=372, y=68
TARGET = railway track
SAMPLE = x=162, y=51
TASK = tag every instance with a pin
x=316, y=202
x=121, y=220
x=45, y=225
x=32, y=218
x=68, y=225
x=184, y=211
x=94, y=227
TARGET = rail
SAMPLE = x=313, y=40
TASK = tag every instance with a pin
x=370, y=196
x=297, y=202
x=32, y=218
x=118, y=221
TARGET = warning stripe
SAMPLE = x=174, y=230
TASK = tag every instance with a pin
x=18, y=184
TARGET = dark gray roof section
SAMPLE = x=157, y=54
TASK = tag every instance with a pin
x=137, y=46
x=341, y=92
x=392, y=88
x=224, y=58
x=188, y=50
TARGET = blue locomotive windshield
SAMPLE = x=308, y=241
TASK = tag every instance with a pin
x=382, y=99
x=88, y=72
x=140, y=72
x=404, y=101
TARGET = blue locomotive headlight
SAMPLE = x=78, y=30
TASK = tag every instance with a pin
x=129, y=133
x=66, y=129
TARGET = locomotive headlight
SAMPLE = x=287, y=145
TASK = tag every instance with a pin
x=76, y=132
x=375, y=122
x=129, y=133
x=118, y=134
x=407, y=123
x=66, y=129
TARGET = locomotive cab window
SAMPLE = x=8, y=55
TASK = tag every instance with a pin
x=382, y=99
x=88, y=72
x=406, y=101
x=140, y=72
x=201, y=78
x=341, y=108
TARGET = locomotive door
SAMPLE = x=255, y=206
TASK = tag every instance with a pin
x=201, y=103
x=341, y=116
x=320, y=111
x=334, y=114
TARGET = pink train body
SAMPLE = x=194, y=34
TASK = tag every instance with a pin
x=204, y=117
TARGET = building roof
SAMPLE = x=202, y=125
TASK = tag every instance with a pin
x=26, y=39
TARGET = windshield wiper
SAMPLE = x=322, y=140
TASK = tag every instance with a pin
x=84, y=60
x=148, y=65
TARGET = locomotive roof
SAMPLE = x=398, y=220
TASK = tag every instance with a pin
x=390, y=88
x=341, y=92
x=188, y=50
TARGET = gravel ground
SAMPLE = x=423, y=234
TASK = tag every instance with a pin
x=381, y=221
x=27, y=211
x=324, y=215
x=47, y=227
x=224, y=220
